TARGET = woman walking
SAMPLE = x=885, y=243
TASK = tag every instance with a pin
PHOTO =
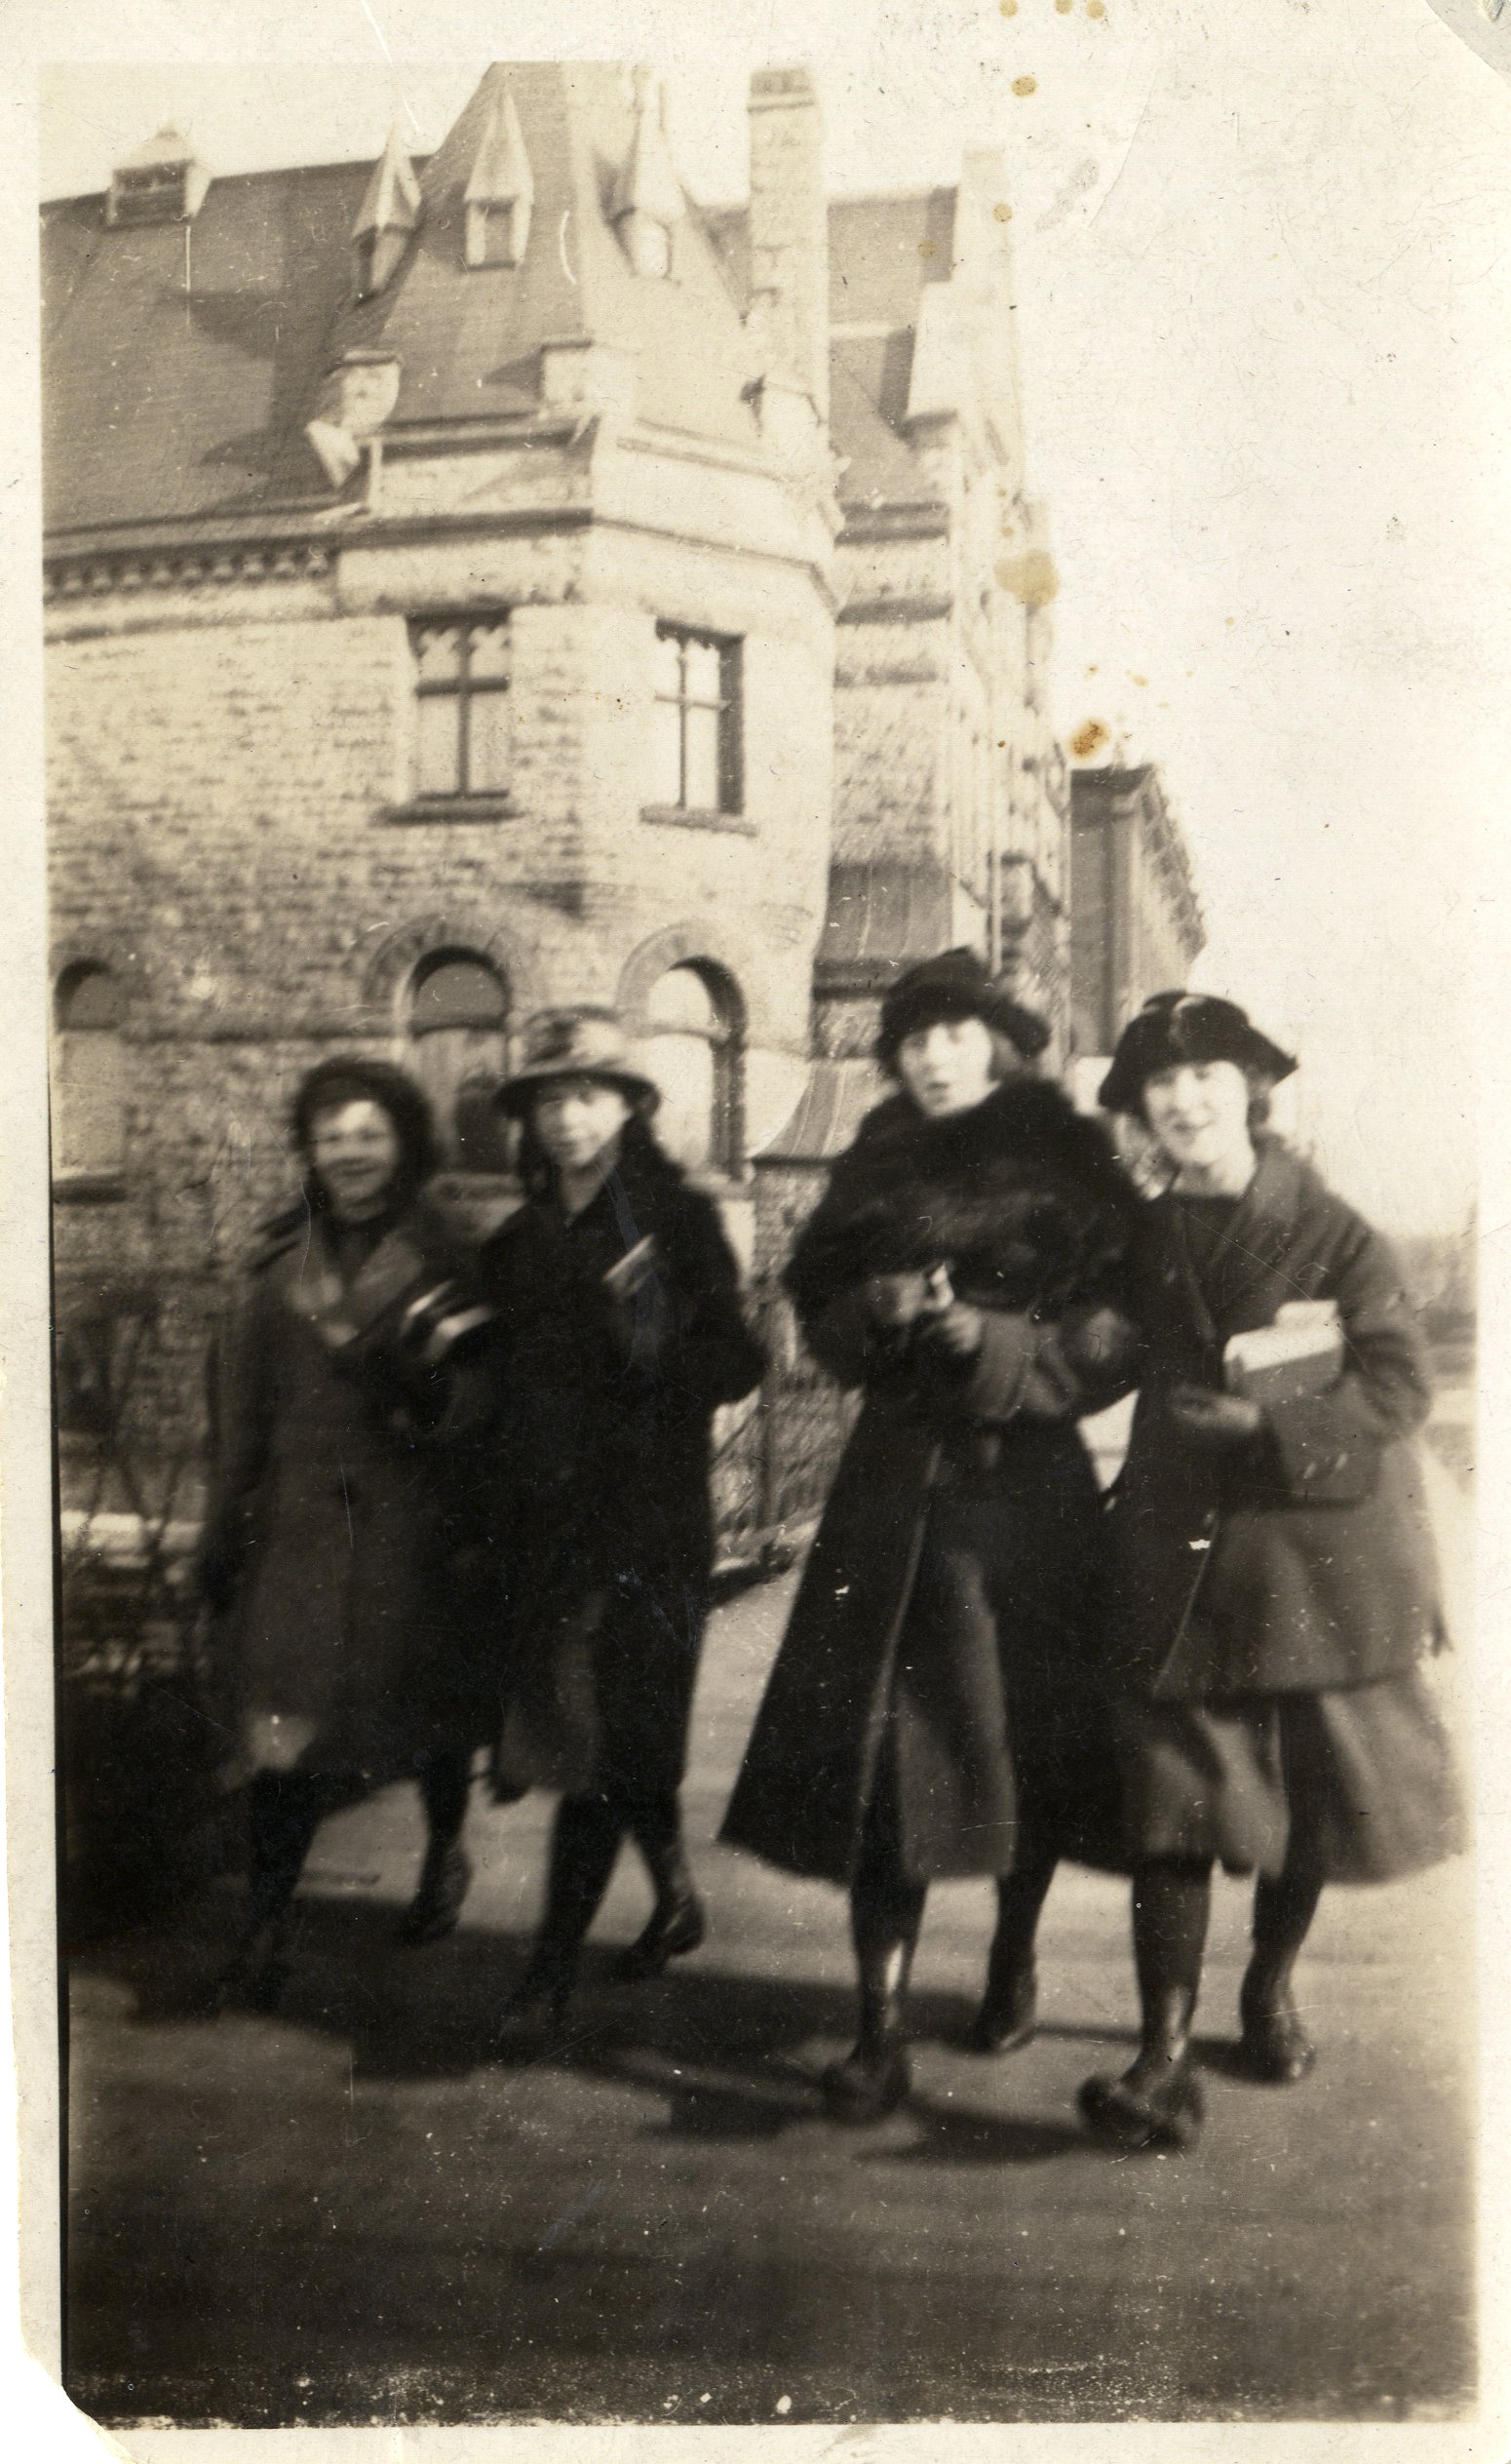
x=336, y=1387
x=620, y=1332
x=932, y=1708
x=1276, y=1586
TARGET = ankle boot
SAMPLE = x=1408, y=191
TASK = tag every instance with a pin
x=1157, y=2102
x=445, y=1879
x=876, y=2075
x=545, y=1985
x=1275, y=2046
x=1009, y=2009
x=678, y=1924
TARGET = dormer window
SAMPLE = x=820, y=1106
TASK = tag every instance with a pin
x=387, y=219
x=648, y=202
x=500, y=191
x=161, y=182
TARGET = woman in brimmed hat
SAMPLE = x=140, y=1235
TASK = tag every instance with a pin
x=620, y=1334
x=342, y=1380
x=1275, y=1583
x=934, y=1707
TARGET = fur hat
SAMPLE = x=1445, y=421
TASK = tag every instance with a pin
x=954, y=985
x=1175, y=1026
x=582, y=1042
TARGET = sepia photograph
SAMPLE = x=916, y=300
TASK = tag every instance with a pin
x=769, y=747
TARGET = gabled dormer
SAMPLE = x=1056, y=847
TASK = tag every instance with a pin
x=163, y=181
x=387, y=219
x=647, y=204
x=500, y=191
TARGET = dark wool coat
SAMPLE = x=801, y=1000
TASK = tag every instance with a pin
x=327, y=1540
x=949, y=1605
x=603, y=1520
x=1308, y=1562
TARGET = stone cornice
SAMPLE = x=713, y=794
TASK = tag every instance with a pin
x=87, y=572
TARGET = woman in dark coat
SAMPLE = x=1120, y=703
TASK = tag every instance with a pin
x=1275, y=1580
x=933, y=1709
x=620, y=1332
x=337, y=1384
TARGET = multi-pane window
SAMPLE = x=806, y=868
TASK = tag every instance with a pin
x=458, y=1023
x=89, y=1075
x=691, y=1050
x=696, y=754
x=461, y=685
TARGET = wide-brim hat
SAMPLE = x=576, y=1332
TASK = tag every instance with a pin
x=1175, y=1026
x=576, y=1044
x=955, y=985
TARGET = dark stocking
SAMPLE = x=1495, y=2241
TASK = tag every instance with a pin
x=1157, y=2101
x=1005, y=2019
x=444, y=1780
x=886, y=1910
x=584, y=1846
x=677, y=1921
x=1275, y=2044
x=286, y=1809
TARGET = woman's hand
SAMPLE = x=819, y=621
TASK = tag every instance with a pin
x=1218, y=1420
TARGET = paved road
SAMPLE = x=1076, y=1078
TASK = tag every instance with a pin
x=354, y=2212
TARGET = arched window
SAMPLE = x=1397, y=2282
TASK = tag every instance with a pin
x=691, y=1048
x=458, y=1030
x=89, y=1075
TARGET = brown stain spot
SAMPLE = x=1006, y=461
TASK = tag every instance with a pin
x=1025, y=84
x=926, y=248
x=1030, y=577
x=1138, y=680
x=1096, y=8
x=1063, y=8
x=1004, y=213
x=1088, y=740
x=1008, y=8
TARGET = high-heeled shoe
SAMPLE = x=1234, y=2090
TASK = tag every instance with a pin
x=445, y=1879
x=1275, y=2046
x=869, y=2083
x=1009, y=2012
x=676, y=1927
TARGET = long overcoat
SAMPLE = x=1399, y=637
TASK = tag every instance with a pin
x=949, y=1606
x=1308, y=1562
x=329, y=1531
x=620, y=1332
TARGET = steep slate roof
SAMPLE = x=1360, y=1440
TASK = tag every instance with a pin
x=882, y=253
x=162, y=405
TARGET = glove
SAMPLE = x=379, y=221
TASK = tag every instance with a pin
x=954, y=1332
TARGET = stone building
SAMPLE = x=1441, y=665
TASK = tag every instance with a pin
x=1137, y=924
x=489, y=581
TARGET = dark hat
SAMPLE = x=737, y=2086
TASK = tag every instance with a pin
x=582, y=1042
x=955, y=985
x=1175, y=1026
x=351, y=1077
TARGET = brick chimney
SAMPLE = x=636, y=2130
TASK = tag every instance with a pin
x=790, y=227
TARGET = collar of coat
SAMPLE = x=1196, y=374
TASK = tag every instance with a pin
x=1263, y=1225
x=1021, y=1184
x=298, y=1254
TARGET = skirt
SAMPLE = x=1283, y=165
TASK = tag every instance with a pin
x=1359, y=1782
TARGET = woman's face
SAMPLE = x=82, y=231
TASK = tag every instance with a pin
x=355, y=1149
x=576, y=1119
x=1199, y=1112
x=948, y=1067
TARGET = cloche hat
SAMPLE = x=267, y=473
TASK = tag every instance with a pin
x=579, y=1042
x=1175, y=1026
x=955, y=985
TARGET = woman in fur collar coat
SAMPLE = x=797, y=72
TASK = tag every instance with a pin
x=932, y=1711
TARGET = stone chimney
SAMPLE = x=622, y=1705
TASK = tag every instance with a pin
x=789, y=228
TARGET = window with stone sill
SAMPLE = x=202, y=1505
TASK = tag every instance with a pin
x=691, y=1049
x=696, y=763
x=462, y=727
x=87, y=1080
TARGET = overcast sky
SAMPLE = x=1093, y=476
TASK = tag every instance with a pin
x=1264, y=272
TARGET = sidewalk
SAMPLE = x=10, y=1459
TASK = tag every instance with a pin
x=353, y=2211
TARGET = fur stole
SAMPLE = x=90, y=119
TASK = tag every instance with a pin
x=1022, y=1198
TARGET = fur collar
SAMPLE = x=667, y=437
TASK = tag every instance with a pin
x=1020, y=1195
